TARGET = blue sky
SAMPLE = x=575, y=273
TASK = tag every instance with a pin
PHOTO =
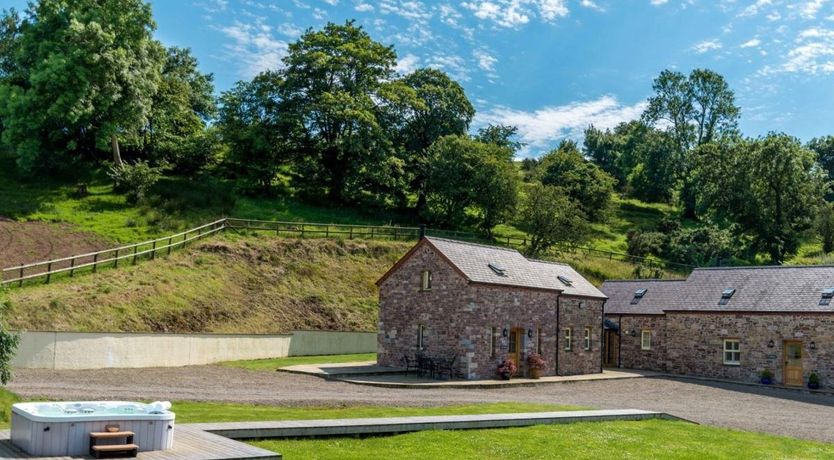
x=551, y=67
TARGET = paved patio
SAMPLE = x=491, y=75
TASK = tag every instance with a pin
x=368, y=373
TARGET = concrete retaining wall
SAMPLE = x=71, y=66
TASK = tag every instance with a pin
x=76, y=350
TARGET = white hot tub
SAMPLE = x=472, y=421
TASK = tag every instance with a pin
x=63, y=428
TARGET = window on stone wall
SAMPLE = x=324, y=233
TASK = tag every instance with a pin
x=587, y=338
x=732, y=352
x=493, y=342
x=646, y=340
x=539, y=346
x=425, y=280
x=568, y=339
x=421, y=332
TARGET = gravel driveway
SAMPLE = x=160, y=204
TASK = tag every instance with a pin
x=768, y=410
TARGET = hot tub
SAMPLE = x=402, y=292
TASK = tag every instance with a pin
x=63, y=428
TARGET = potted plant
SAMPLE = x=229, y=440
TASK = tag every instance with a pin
x=507, y=369
x=814, y=381
x=766, y=377
x=537, y=365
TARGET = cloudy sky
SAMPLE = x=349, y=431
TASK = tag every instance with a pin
x=551, y=67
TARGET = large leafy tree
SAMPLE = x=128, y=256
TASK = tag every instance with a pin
x=470, y=181
x=83, y=74
x=249, y=121
x=824, y=148
x=181, y=107
x=549, y=216
x=582, y=180
x=440, y=108
x=694, y=110
x=770, y=188
x=338, y=84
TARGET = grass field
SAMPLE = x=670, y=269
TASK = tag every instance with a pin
x=275, y=363
x=651, y=439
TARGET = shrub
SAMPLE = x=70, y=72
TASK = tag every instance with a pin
x=536, y=361
x=766, y=377
x=813, y=381
x=8, y=344
x=507, y=369
x=134, y=180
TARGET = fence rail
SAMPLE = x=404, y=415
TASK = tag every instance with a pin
x=92, y=261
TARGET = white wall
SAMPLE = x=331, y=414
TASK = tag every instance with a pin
x=77, y=350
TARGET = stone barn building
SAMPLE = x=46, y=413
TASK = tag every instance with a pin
x=481, y=305
x=729, y=323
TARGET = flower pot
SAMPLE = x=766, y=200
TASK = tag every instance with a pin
x=506, y=376
x=813, y=386
x=535, y=374
x=766, y=380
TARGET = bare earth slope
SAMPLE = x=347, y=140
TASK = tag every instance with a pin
x=229, y=283
x=26, y=242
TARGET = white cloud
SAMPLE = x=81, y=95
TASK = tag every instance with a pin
x=809, y=10
x=485, y=60
x=543, y=127
x=254, y=47
x=407, y=64
x=290, y=30
x=363, y=7
x=591, y=4
x=706, y=45
x=752, y=43
x=331, y=2
x=454, y=65
x=754, y=9
x=659, y=2
x=411, y=10
x=515, y=13
x=812, y=54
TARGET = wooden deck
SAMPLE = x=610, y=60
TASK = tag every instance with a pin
x=190, y=443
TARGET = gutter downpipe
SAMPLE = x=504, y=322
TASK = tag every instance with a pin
x=558, y=298
x=602, y=337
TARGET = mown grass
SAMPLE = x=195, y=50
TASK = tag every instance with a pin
x=593, y=440
x=275, y=363
x=7, y=398
x=200, y=412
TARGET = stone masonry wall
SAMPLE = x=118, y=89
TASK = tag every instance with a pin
x=695, y=344
x=632, y=356
x=458, y=319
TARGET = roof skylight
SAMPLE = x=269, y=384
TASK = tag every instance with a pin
x=827, y=294
x=638, y=294
x=499, y=270
x=726, y=294
x=565, y=280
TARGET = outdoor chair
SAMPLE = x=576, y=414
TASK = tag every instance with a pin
x=410, y=364
x=447, y=367
x=425, y=366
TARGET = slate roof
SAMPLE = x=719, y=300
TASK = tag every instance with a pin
x=791, y=289
x=473, y=261
x=660, y=295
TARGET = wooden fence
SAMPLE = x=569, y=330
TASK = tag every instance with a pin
x=91, y=262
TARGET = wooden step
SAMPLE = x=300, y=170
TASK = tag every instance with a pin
x=115, y=448
x=110, y=434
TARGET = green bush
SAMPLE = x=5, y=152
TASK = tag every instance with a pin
x=134, y=180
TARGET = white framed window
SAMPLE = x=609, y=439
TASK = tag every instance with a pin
x=425, y=280
x=421, y=332
x=732, y=352
x=539, y=346
x=568, y=339
x=493, y=342
x=587, y=339
x=646, y=339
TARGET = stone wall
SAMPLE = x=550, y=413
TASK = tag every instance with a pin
x=632, y=356
x=580, y=313
x=458, y=319
x=695, y=344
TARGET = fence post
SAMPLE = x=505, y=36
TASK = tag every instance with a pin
x=95, y=261
x=372, y=232
x=351, y=233
x=327, y=231
x=153, y=251
x=72, y=264
x=21, y=276
x=277, y=229
x=48, y=272
x=135, y=249
x=116, y=259
x=170, y=241
x=302, y=230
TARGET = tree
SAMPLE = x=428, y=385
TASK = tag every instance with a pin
x=249, y=121
x=338, y=83
x=769, y=187
x=652, y=178
x=696, y=110
x=501, y=135
x=824, y=148
x=84, y=74
x=469, y=180
x=550, y=217
x=181, y=107
x=440, y=108
x=583, y=181
x=825, y=227
x=8, y=343
x=603, y=148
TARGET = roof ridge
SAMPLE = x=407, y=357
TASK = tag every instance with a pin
x=644, y=279
x=550, y=262
x=763, y=267
x=436, y=238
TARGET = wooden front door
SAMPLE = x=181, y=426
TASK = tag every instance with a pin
x=793, y=362
x=516, y=337
x=611, y=348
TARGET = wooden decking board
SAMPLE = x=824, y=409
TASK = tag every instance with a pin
x=190, y=443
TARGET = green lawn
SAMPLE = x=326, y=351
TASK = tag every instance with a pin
x=7, y=398
x=661, y=439
x=275, y=363
x=202, y=412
